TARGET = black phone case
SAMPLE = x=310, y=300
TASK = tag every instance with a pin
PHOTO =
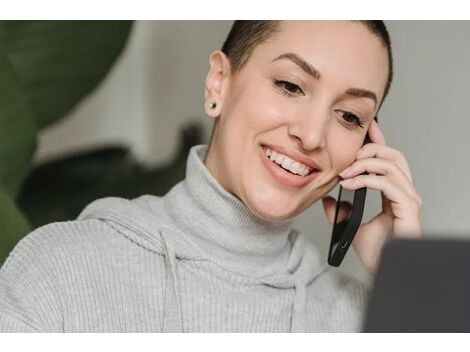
x=343, y=233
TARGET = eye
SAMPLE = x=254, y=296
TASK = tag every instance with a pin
x=288, y=88
x=350, y=118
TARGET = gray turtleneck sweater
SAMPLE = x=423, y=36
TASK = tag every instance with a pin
x=195, y=260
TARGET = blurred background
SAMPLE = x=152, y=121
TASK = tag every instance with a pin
x=128, y=128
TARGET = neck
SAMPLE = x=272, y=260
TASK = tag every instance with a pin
x=221, y=225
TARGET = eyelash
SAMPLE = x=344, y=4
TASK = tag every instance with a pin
x=296, y=90
x=357, y=121
x=285, y=85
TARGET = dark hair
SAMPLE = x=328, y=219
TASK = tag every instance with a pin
x=380, y=30
x=245, y=36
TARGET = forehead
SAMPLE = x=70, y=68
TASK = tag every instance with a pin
x=342, y=51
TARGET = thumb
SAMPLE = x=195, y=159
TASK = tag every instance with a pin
x=329, y=205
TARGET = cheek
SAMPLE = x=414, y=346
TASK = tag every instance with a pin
x=263, y=109
x=343, y=154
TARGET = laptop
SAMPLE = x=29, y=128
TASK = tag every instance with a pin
x=421, y=286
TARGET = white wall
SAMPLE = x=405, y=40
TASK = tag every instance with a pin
x=159, y=84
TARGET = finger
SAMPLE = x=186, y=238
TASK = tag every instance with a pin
x=375, y=133
x=390, y=190
x=385, y=152
x=382, y=167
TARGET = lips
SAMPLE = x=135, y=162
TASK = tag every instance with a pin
x=284, y=177
x=293, y=155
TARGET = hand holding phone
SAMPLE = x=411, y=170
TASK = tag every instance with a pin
x=391, y=176
x=346, y=221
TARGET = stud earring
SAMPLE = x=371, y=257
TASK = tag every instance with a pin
x=212, y=105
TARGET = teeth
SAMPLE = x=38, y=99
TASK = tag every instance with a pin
x=287, y=163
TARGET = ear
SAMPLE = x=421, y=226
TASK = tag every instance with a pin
x=216, y=83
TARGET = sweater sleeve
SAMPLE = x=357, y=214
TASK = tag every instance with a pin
x=10, y=324
x=27, y=302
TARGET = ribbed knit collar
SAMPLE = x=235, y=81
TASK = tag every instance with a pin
x=223, y=227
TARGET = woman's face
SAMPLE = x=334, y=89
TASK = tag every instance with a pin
x=309, y=93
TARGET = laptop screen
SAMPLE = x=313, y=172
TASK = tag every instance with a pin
x=421, y=286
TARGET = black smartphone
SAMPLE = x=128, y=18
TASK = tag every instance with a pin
x=345, y=228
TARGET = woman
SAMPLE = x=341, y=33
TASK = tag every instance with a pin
x=292, y=103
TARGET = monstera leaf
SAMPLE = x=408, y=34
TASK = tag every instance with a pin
x=46, y=69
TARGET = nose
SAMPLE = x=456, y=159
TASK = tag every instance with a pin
x=309, y=128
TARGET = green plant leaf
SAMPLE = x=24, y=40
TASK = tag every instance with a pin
x=46, y=69
x=14, y=225
x=17, y=128
x=60, y=62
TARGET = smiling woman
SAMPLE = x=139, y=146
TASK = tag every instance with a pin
x=292, y=103
x=305, y=88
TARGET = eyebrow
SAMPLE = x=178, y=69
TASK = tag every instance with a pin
x=304, y=65
x=312, y=71
x=362, y=93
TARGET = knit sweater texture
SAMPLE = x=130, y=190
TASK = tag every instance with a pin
x=194, y=260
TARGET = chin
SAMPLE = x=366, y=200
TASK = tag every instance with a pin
x=275, y=217
x=269, y=202
x=271, y=209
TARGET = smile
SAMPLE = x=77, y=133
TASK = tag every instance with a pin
x=287, y=163
x=286, y=171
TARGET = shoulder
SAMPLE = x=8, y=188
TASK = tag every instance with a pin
x=346, y=285
x=54, y=249
x=49, y=263
x=337, y=302
x=30, y=276
x=342, y=287
x=46, y=251
x=56, y=237
x=343, y=279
